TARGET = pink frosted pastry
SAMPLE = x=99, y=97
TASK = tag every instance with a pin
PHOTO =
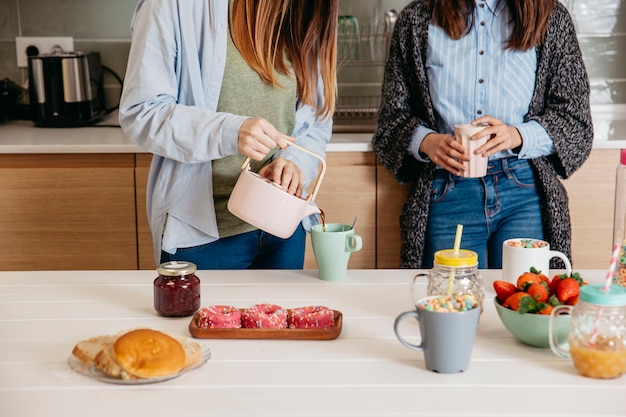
x=311, y=317
x=264, y=316
x=219, y=317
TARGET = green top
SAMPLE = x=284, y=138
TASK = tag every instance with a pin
x=595, y=294
x=244, y=92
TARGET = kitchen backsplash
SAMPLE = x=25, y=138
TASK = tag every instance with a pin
x=104, y=26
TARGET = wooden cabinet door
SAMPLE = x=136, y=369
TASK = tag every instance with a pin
x=591, y=192
x=348, y=190
x=145, y=253
x=389, y=201
x=67, y=212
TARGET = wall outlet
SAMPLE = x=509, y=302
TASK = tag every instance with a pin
x=28, y=46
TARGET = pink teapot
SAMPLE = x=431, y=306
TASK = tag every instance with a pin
x=263, y=203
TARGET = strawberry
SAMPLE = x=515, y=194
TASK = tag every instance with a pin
x=503, y=289
x=553, y=300
x=545, y=309
x=554, y=283
x=528, y=305
x=543, y=277
x=538, y=291
x=578, y=278
x=526, y=279
x=566, y=289
x=572, y=301
x=514, y=301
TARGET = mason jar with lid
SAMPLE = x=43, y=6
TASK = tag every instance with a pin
x=176, y=289
x=454, y=273
x=597, y=331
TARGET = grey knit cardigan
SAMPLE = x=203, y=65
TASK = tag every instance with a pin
x=560, y=103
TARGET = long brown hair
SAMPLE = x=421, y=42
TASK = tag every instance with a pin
x=305, y=31
x=528, y=17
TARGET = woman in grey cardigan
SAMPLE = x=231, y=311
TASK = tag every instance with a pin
x=518, y=70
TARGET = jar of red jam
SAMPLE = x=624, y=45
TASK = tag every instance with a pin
x=176, y=289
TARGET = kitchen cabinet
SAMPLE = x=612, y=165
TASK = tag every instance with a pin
x=88, y=211
x=591, y=198
x=67, y=212
x=145, y=253
x=591, y=192
x=347, y=190
x=389, y=201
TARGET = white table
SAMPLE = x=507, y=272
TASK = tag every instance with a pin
x=365, y=372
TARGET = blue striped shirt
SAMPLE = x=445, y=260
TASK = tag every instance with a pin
x=476, y=76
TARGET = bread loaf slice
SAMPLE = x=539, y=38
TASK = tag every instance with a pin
x=87, y=350
x=106, y=362
x=193, y=351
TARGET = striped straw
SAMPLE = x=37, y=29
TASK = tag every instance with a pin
x=607, y=287
x=612, y=267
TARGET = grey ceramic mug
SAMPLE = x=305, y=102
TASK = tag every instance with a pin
x=447, y=338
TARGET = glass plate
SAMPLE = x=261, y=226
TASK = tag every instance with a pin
x=94, y=372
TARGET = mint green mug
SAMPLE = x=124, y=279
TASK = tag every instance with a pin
x=332, y=249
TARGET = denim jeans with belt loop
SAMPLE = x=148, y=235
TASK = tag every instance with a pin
x=252, y=250
x=504, y=204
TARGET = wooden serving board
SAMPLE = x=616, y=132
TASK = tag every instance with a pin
x=284, y=334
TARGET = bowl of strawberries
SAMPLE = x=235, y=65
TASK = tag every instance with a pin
x=524, y=307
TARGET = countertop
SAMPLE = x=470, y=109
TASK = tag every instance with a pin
x=21, y=137
x=365, y=372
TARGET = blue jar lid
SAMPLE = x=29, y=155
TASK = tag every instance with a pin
x=595, y=294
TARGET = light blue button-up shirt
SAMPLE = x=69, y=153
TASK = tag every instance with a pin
x=476, y=76
x=168, y=107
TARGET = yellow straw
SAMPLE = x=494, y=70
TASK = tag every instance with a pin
x=457, y=238
x=457, y=246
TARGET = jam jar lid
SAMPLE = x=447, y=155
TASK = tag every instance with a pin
x=176, y=268
x=595, y=294
x=462, y=258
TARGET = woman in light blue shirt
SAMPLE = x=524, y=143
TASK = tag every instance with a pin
x=514, y=65
x=209, y=83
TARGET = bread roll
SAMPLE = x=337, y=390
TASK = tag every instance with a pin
x=98, y=351
x=149, y=353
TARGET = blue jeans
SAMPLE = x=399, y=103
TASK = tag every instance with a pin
x=502, y=205
x=251, y=250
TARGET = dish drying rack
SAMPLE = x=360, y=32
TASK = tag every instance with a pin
x=357, y=107
x=363, y=48
x=361, y=60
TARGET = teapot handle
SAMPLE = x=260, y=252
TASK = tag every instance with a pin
x=246, y=165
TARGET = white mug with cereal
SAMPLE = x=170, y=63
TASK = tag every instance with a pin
x=520, y=254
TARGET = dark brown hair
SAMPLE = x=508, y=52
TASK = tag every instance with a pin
x=528, y=17
x=304, y=31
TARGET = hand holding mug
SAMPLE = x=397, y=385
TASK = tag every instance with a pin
x=476, y=166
